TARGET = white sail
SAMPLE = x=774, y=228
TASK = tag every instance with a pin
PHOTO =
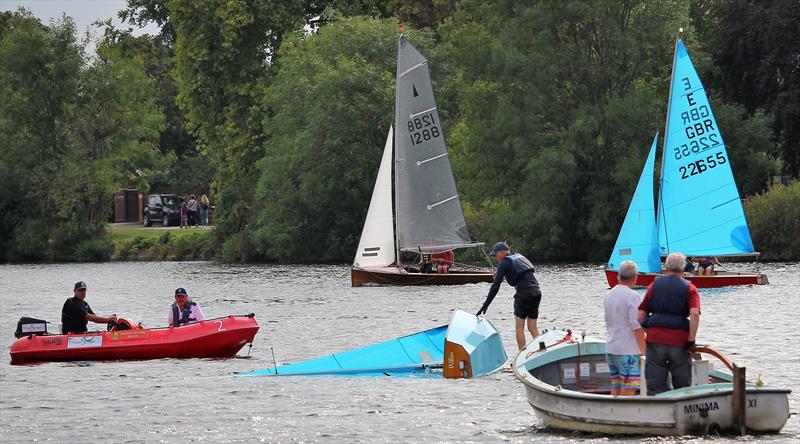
x=376, y=247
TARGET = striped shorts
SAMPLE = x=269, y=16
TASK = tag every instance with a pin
x=625, y=372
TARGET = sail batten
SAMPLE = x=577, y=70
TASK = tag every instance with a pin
x=429, y=215
x=697, y=210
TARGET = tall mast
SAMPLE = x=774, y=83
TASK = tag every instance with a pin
x=663, y=218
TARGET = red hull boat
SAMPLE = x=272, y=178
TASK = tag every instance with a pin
x=718, y=279
x=212, y=338
x=392, y=276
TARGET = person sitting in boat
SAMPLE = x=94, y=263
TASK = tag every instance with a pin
x=705, y=265
x=76, y=312
x=444, y=261
x=184, y=310
x=426, y=263
x=670, y=314
x=625, y=335
x=689, y=267
x=518, y=272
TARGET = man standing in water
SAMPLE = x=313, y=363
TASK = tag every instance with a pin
x=669, y=301
x=76, y=313
x=625, y=336
x=518, y=272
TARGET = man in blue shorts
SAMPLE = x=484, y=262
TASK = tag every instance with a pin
x=625, y=335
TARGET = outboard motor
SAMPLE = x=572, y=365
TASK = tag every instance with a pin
x=30, y=326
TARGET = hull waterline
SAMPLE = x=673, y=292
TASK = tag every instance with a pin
x=721, y=279
x=391, y=276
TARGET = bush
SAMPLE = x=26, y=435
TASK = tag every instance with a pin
x=774, y=219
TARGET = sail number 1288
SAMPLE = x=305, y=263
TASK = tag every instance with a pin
x=422, y=129
x=701, y=166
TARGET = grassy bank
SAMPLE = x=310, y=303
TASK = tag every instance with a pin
x=150, y=244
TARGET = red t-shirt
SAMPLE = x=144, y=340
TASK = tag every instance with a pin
x=669, y=336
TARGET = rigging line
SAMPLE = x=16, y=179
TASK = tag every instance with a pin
x=431, y=206
x=424, y=62
x=704, y=195
x=725, y=203
x=420, y=162
x=725, y=222
x=411, y=116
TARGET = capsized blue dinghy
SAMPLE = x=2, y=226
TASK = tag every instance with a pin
x=471, y=346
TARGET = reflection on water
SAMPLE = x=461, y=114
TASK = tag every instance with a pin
x=309, y=311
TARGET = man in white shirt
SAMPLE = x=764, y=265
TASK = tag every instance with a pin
x=625, y=335
x=184, y=310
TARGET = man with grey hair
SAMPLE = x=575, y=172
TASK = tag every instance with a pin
x=625, y=336
x=670, y=313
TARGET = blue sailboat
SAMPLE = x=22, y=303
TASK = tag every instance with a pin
x=699, y=209
x=470, y=346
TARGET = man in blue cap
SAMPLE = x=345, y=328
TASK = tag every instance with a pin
x=184, y=310
x=76, y=313
x=518, y=272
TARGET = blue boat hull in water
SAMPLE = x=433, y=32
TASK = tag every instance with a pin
x=473, y=345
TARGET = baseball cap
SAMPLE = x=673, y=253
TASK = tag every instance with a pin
x=80, y=285
x=500, y=246
x=180, y=291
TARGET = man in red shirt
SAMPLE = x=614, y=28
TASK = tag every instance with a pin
x=670, y=313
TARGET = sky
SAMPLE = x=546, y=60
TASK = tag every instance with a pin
x=83, y=12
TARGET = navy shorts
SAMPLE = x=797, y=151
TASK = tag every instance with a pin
x=526, y=303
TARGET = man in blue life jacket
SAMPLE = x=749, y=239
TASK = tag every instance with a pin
x=518, y=272
x=184, y=310
x=76, y=312
x=670, y=314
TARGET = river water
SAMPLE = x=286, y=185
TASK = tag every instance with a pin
x=310, y=311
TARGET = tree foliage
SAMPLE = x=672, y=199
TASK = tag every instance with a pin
x=71, y=136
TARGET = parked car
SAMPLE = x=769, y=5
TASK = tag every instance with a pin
x=162, y=208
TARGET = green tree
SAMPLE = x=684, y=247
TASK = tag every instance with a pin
x=222, y=51
x=331, y=104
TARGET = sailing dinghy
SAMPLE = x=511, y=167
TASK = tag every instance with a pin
x=427, y=217
x=470, y=346
x=699, y=210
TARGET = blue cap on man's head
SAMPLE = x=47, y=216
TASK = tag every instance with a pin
x=500, y=246
x=80, y=286
x=181, y=291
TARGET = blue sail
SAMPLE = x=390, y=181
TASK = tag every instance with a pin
x=638, y=239
x=700, y=213
x=394, y=357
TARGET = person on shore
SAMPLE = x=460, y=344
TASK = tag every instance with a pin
x=184, y=310
x=76, y=312
x=518, y=272
x=670, y=314
x=204, y=205
x=193, y=207
x=625, y=335
x=184, y=215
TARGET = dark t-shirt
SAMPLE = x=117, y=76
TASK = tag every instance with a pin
x=73, y=315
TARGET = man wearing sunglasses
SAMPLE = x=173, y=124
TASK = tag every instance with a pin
x=76, y=313
x=184, y=310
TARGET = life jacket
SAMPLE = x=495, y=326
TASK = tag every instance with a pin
x=426, y=258
x=182, y=317
x=669, y=303
x=520, y=265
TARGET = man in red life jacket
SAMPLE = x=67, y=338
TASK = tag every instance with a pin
x=670, y=314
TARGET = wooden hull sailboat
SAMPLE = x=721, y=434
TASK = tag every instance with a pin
x=427, y=217
x=699, y=210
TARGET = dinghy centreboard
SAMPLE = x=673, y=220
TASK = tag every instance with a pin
x=427, y=217
x=470, y=346
x=699, y=210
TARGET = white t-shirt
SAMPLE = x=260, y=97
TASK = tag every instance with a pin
x=196, y=314
x=621, y=305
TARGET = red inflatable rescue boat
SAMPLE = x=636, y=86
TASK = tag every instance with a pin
x=211, y=338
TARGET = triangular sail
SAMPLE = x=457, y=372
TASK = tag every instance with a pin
x=700, y=213
x=376, y=247
x=429, y=214
x=638, y=238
